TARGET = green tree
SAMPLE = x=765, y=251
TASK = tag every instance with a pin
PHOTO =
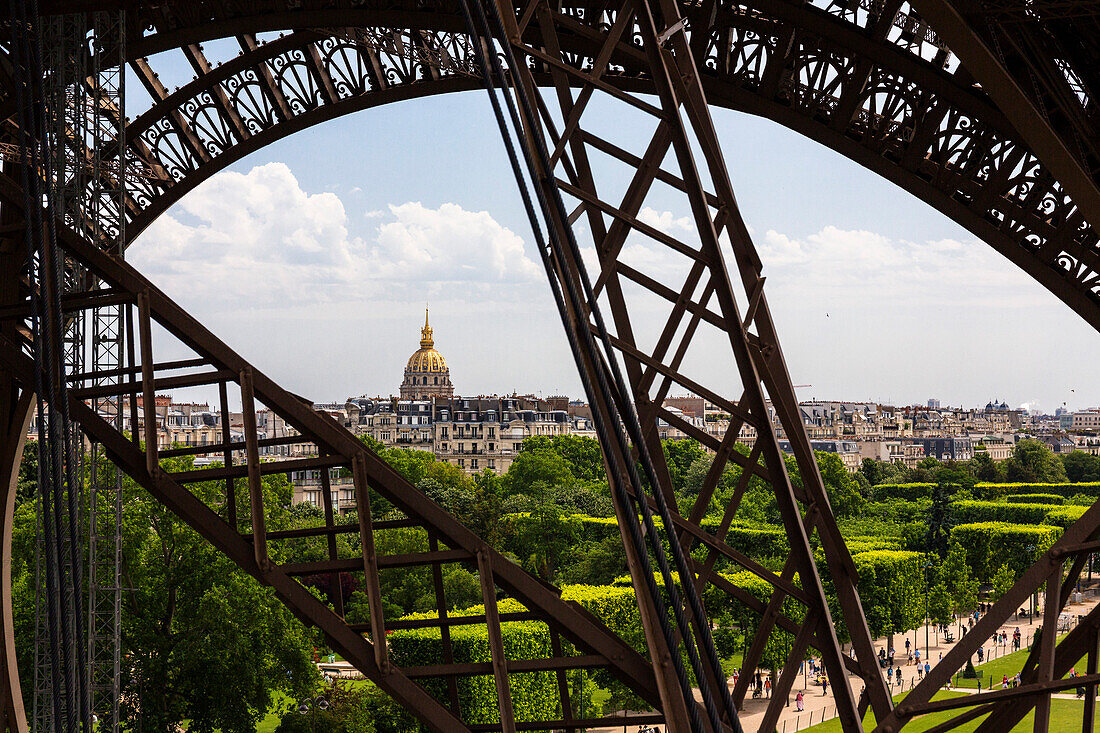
x=940, y=520
x=595, y=563
x=870, y=468
x=583, y=455
x=940, y=604
x=680, y=455
x=203, y=641
x=27, y=485
x=535, y=470
x=1034, y=462
x=461, y=588
x=1003, y=580
x=543, y=538
x=485, y=515
x=1081, y=466
x=985, y=468
x=924, y=473
x=954, y=574
x=842, y=489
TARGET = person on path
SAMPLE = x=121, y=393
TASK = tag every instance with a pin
x=824, y=686
x=759, y=680
x=916, y=655
x=768, y=687
x=798, y=704
x=907, y=646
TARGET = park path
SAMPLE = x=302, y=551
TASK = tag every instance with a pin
x=820, y=707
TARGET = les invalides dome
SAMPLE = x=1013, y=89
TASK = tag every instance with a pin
x=426, y=374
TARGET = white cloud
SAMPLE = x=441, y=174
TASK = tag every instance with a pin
x=667, y=222
x=258, y=239
x=866, y=266
x=448, y=244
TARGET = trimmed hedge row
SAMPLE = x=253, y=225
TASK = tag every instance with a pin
x=534, y=694
x=1089, y=489
x=1000, y=511
x=883, y=492
x=1035, y=499
x=891, y=587
x=989, y=545
x=753, y=540
x=1064, y=516
x=858, y=544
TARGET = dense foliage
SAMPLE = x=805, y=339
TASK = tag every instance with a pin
x=206, y=644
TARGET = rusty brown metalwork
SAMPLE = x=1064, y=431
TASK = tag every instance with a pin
x=1011, y=157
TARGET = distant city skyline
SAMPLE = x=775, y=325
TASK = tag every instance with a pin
x=314, y=259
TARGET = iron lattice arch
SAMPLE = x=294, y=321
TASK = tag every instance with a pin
x=870, y=80
x=999, y=139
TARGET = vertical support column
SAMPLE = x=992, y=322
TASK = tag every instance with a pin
x=1046, y=646
x=335, y=594
x=496, y=643
x=15, y=414
x=1089, y=716
x=148, y=392
x=131, y=363
x=227, y=456
x=563, y=682
x=252, y=459
x=370, y=562
x=444, y=628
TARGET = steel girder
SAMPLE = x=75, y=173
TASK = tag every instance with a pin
x=871, y=86
x=862, y=77
x=234, y=522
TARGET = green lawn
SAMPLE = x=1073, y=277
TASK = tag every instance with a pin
x=1008, y=665
x=1065, y=717
x=271, y=720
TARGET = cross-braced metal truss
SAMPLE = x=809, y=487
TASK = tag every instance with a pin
x=996, y=142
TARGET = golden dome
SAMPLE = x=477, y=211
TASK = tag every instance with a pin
x=427, y=359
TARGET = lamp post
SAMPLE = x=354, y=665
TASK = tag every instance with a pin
x=310, y=706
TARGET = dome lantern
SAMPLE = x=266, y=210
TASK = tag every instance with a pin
x=426, y=374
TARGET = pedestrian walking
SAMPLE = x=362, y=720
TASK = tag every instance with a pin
x=824, y=686
x=768, y=687
x=798, y=703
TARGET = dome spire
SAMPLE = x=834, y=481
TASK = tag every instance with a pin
x=426, y=341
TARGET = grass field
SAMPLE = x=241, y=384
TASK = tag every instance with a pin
x=1007, y=665
x=1065, y=717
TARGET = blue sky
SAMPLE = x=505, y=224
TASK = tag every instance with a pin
x=315, y=256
